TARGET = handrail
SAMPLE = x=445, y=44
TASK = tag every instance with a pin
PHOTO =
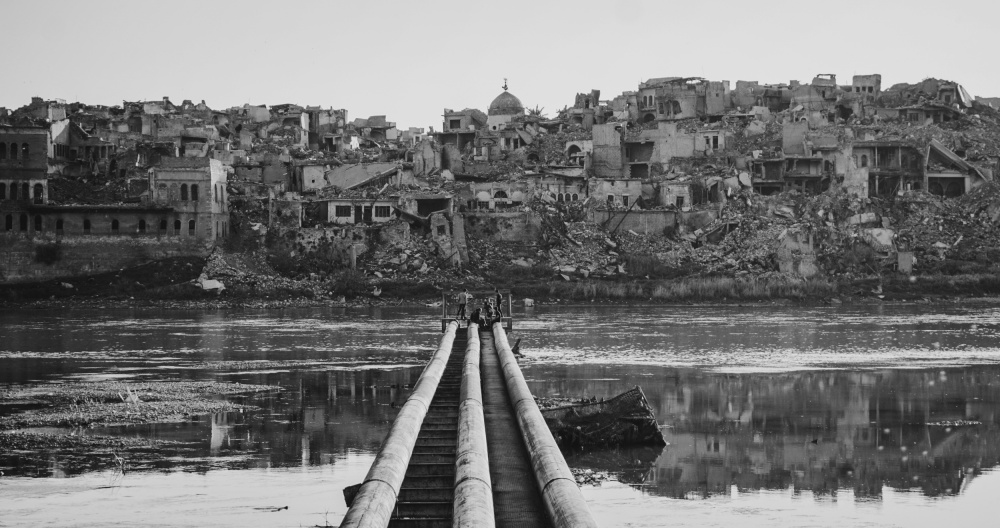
x=473, y=506
x=562, y=497
x=376, y=499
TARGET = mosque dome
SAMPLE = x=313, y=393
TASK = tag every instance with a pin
x=506, y=104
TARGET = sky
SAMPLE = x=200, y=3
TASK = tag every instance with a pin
x=410, y=60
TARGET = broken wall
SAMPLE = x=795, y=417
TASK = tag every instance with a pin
x=521, y=226
x=87, y=254
x=793, y=136
x=325, y=245
x=796, y=255
x=426, y=158
x=607, y=158
x=657, y=223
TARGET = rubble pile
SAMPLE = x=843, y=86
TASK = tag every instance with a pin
x=416, y=258
x=250, y=272
x=587, y=250
x=964, y=229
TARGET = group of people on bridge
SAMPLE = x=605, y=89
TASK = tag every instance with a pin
x=489, y=313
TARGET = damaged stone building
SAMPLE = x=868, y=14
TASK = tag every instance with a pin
x=665, y=159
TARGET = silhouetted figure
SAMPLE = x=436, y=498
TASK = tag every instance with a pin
x=463, y=299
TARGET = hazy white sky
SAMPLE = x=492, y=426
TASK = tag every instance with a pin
x=409, y=60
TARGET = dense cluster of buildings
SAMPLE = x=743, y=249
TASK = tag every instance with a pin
x=162, y=172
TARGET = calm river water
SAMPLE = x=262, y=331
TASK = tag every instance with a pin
x=840, y=416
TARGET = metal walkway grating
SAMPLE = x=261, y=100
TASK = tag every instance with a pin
x=517, y=501
x=428, y=490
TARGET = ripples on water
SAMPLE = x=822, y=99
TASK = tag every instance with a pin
x=810, y=416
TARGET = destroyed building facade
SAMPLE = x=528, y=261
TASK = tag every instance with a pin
x=663, y=160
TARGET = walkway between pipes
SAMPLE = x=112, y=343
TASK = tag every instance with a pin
x=470, y=448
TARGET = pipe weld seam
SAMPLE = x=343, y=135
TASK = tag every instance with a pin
x=480, y=479
x=546, y=486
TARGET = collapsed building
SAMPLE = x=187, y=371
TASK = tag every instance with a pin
x=668, y=162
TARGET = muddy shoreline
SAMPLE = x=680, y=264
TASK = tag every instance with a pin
x=48, y=420
x=692, y=291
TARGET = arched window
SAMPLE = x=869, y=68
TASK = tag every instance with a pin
x=194, y=192
x=86, y=226
x=59, y=226
x=39, y=191
x=177, y=227
x=13, y=151
x=38, y=223
x=163, y=225
x=3, y=191
x=864, y=160
x=500, y=194
x=184, y=192
x=142, y=226
x=575, y=197
x=24, y=151
x=8, y=223
x=24, y=222
x=559, y=197
x=3, y=151
x=114, y=225
x=191, y=227
x=13, y=191
x=25, y=191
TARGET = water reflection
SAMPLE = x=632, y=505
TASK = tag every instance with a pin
x=321, y=418
x=824, y=431
x=815, y=399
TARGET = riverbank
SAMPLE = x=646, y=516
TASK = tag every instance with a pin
x=775, y=288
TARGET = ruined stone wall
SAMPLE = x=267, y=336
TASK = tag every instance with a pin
x=642, y=222
x=658, y=222
x=601, y=189
x=607, y=157
x=522, y=226
x=41, y=257
x=331, y=246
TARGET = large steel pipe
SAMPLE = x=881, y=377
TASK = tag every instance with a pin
x=376, y=499
x=562, y=497
x=473, y=489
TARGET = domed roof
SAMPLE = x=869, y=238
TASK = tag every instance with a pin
x=506, y=104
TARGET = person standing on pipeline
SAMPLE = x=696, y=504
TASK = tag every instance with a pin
x=463, y=299
x=499, y=302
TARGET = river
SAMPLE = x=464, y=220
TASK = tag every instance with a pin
x=829, y=416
